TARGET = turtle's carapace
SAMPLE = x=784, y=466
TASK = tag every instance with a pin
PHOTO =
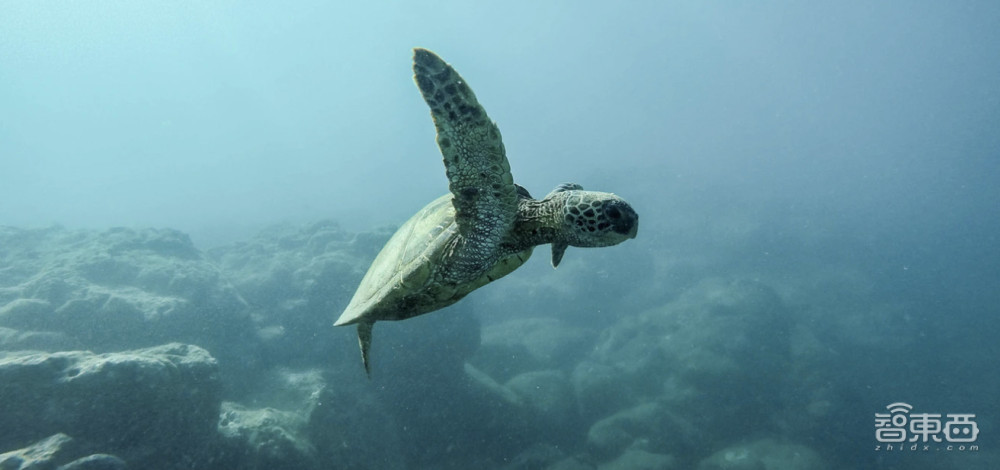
x=484, y=228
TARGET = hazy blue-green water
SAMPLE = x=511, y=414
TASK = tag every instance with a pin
x=817, y=186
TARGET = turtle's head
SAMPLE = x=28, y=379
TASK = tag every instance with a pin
x=593, y=218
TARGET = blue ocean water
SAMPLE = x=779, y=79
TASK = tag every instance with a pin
x=817, y=189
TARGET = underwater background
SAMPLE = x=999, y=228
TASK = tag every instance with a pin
x=190, y=192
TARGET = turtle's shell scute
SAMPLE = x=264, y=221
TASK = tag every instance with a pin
x=406, y=278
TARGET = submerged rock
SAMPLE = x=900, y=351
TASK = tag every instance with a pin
x=717, y=334
x=649, y=426
x=636, y=459
x=95, y=462
x=599, y=390
x=296, y=280
x=714, y=357
x=538, y=456
x=349, y=427
x=149, y=405
x=309, y=419
x=440, y=405
x=120, y=289
x=525, y=344
x=571, y=463
x=264, y=438
x=14, y=340
x=553, y=408
x=46, y=453
x=55, y=450
x=765, y=454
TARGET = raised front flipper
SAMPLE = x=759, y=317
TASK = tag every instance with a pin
x=485, y=197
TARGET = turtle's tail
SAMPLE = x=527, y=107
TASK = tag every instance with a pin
x=365, y=342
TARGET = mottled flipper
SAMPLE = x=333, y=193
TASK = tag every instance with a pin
x=485, y=196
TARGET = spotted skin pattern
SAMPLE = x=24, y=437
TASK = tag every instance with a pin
x=485, y=197
x=485, y=228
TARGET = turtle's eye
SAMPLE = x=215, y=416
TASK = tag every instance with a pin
x=614, y=213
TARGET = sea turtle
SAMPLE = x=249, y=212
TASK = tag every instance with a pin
x=484, y=228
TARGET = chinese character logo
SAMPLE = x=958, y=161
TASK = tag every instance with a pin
x=891, y=427
x=899, y=425
x=961, y=428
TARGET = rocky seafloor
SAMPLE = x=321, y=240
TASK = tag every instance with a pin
x=134, y=349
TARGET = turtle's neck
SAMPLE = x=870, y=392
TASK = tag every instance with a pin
x=538, y=222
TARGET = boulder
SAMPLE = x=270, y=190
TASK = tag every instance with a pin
x=716, y=329
x=591, y=287
x=649, y=427
x=44, y=454
x=764, y=454
x=47, y=453
x=571, y=463
x=121, y=289
x=525, y=344
x=286, y=388
x=351, y=428
x=297, y=280
x=537, y=456
x=715, y=356
x=147, y=405
x=420, y=377
x=299, y=420
x=264, y=438
x=549, y=396
x=599, y=390
x=637, y=459
x=15, y=340
x=95, y=462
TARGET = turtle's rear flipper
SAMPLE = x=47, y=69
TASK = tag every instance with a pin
x=365, y=342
